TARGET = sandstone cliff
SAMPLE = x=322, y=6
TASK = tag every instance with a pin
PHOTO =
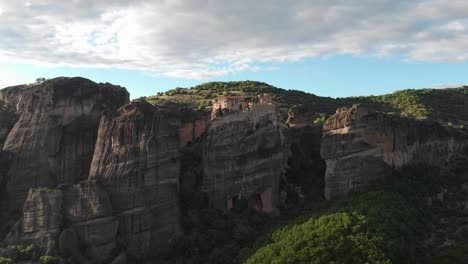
x=54, y=137
x=75, y=221
x=7, y=120
x=136, y=158
x=244, y=157
x=361, y=145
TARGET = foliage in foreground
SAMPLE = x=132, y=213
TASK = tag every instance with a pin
x=383, y=225
x=380, y=226
x=6, y=260
x=48, y=260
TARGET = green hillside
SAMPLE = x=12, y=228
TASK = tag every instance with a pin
x=443, y=105
x=447, y=106
x=201, y=95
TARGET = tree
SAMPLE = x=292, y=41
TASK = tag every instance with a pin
x=40, y=80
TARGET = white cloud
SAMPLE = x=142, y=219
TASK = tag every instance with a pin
x=446, y=85
x=205, y=39
x=11, y=79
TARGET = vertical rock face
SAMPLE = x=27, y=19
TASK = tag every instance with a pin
x=306, y=168
x=54, y=137
x=42, y=217
x=82, y=213
x=136, y=159
x=244, y=157
x=5, y=159
x=361, y=145
x=7, y=120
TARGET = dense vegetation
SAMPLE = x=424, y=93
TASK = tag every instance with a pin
x=387, y=223
x=443, y=105
x=380, y=226
x=203, y=93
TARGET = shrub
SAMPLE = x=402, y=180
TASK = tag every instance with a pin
x=6, y=260
x=24, y=253
x=48, y=260
x=319, y=120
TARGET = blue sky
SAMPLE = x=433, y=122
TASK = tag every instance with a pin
x=330, y=48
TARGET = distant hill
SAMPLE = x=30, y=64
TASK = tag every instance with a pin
x=443, y=105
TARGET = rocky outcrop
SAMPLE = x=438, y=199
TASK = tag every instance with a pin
x=302, y=116
x=136, y=158
x=53, y=140
x=361, y=145
x=244, y=157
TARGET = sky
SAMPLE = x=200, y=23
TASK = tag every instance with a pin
x=331, y=48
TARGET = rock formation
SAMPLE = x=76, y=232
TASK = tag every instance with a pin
x=53, y=140
x=306, y=168
x=301, y=116
x=7, y=120
x=5, y=159
x=130, y=202
x=136, y=158
x=244, y=157
x=67, y=217
x=361, y=145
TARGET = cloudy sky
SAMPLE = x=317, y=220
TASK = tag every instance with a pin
x=329, y=47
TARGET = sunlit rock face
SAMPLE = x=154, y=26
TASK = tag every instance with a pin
x=244, y=157
x=361, y=145
x=54, y=137
x=136, y=158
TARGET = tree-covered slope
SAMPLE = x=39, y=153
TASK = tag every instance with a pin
x=202, y=94
x=443, y=105
x=390, y=222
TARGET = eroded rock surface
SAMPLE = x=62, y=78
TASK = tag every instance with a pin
x=53, y=140
x=8, y=119
x=361, y=145
x=245, y=157
x=136, y=158
x=302, y=116
x=77, y=219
